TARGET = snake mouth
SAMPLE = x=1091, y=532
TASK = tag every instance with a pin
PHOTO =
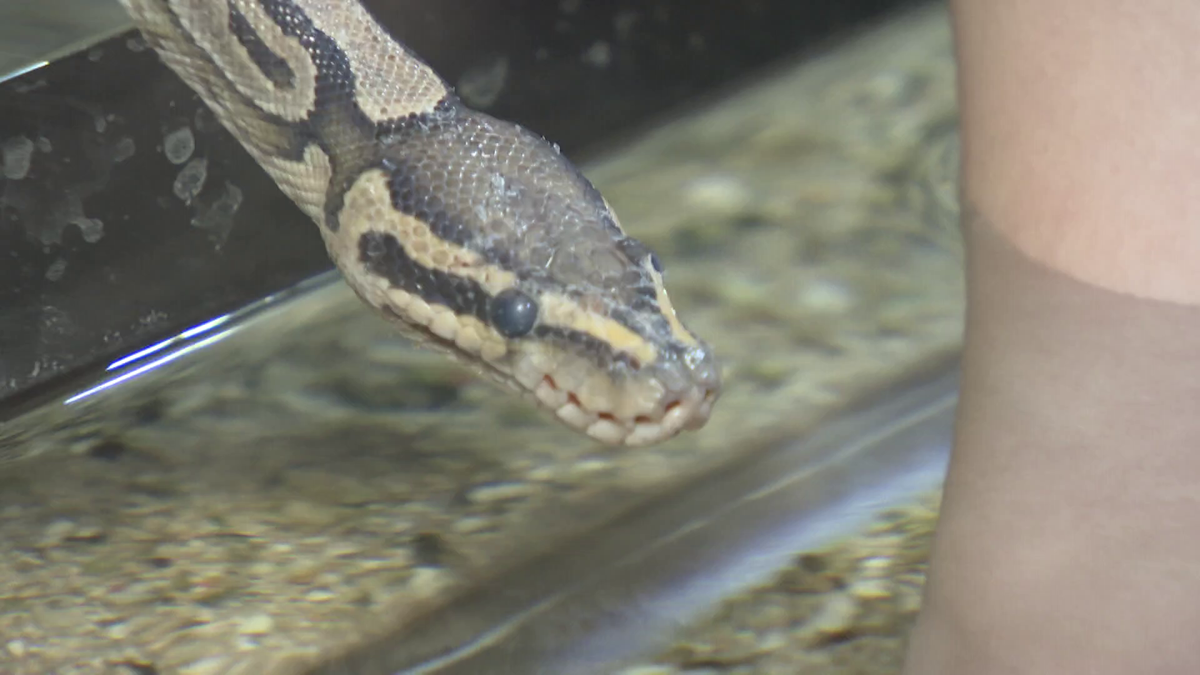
x=688, y=411
x=630, y=409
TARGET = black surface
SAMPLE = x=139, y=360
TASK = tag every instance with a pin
x=68, y=305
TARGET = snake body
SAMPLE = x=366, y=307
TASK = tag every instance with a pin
x=471, y=234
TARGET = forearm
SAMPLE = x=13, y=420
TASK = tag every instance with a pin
x=1081, y=135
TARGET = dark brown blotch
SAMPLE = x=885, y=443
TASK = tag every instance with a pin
x=383, y=255
x=271, y=65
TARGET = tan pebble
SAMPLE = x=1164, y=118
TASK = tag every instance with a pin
x=88, y=532
x=589, y=467
x=834, y=618
x=319, y=595
x=428, y=581
x=342, y=549
x=871, y=589
x=542, y=474
x=398, y=558
x=773, y=641
x=57, y=531
x=130, y=663
x=769, y=616
x=720, y=193
x=875, y=565
x=500, y=492
x=328, y=579
x=259, y=624
x=828, y=297
x=17, y=648
x=303, y=573
x=472, y=524
x=650, y=670
x=210, y=665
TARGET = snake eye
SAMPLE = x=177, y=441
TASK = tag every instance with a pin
x=513, y=313
x=656, y=263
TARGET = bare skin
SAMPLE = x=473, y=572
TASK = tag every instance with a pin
x=1070, y=532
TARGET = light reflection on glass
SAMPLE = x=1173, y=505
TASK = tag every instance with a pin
x=185, y=335
x=161, y=361
x=22, y=70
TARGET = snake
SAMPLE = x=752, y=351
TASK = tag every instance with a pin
x=470, y=234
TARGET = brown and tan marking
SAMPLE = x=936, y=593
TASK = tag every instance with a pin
x=472, y=234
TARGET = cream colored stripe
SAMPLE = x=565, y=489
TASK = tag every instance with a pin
x=563, y=312
x=664, y=304
x=208, y=24
x=367, y=207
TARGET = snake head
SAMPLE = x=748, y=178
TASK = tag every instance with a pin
x=482, y=238
x=472, y=233
x=593, y=336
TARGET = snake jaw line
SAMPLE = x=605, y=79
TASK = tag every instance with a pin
x=661, y=415
x=631, y=408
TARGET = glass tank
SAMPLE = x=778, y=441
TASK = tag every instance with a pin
x=215, y=459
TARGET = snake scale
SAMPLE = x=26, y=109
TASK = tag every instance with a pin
x=473, y=235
